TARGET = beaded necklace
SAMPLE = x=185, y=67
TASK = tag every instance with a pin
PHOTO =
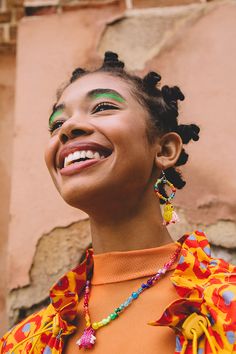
x=88, y=338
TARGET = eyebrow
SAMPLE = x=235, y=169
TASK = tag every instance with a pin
x=96, y=93
x=105, y=93
x=56, y=111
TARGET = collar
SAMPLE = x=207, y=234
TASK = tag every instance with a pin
x=67, y=292
x=114, y=267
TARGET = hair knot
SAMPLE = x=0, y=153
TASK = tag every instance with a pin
x=172, y=94
x=152, y=78
x=111, y=60
x=188, y=132
x=77, y=73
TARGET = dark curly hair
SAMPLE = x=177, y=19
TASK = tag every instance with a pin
x=160, y=102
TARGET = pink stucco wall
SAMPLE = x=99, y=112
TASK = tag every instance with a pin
x=201, y=61
x=7, y=82
x=49, y=48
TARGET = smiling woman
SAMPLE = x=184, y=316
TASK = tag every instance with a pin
x=115, y=146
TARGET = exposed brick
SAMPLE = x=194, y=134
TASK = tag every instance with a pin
x=13, y=33
x=7, y=48
x=15, y=3
x=68, y=5
x=18, y=13
x=5, y=16
x=40, y=10
x=1, y=34
x=162, y=3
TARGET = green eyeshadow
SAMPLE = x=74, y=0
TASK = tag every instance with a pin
x=55, y=115
x=111, y=95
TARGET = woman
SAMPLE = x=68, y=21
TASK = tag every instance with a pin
x=115, y=139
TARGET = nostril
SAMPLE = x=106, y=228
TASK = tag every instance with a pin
x=73, y=133
x=78, y=132
x=64, y=138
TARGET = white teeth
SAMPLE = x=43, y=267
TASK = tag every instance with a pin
x=89, y=154
x=76, y=155
x=82, y=155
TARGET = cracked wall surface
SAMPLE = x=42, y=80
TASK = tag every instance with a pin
x=7, y=81
x=56, y=252
x=141, y=34
x=192, y=46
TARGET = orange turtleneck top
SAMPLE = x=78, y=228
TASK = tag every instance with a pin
x=116, y=275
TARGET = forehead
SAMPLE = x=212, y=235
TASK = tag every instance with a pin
x=89, y=82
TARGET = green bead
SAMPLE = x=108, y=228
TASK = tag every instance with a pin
x=113, y=316
x=105, y=321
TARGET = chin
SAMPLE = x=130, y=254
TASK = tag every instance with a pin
x=83, y=196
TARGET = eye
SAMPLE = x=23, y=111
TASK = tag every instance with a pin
x=55, y=125
x=104, y=106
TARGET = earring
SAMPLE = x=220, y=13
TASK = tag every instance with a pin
x=169, y=215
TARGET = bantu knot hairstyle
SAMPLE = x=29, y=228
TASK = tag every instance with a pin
x=111, y=61
x=76, y=74
x=160, y=102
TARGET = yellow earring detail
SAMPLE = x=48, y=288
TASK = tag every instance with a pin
x=169, y=215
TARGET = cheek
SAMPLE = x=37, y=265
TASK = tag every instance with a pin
x=50, y=153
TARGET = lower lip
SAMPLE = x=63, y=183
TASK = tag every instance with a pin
x=77, y=167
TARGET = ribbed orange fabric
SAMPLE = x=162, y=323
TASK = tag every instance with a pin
x=116, y=276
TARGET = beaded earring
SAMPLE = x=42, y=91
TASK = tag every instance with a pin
x=169, y=215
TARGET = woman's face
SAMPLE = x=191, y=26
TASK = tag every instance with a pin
x=99, y=151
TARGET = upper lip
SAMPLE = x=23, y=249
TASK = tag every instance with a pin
x=79, y=146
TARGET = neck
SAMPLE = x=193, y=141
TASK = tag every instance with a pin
x=135, y=228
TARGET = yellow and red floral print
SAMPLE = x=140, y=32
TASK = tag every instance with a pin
x=206, y=286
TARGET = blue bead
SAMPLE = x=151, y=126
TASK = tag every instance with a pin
x=144, y=286
x=135, y=295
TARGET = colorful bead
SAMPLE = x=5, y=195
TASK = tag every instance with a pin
x=105, y=321
x=95, y=325
x=88, y=339
x=113, y=316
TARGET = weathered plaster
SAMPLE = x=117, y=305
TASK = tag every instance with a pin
x=49, y=48
x=202, y=63
x=7, y=81
x=56, y=252
x=221, y=233
x=149, y=32
x=196, y=51
x=61, y=249
x=201, y=60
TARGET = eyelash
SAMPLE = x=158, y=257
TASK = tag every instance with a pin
x=103, y=105
x=55, y=125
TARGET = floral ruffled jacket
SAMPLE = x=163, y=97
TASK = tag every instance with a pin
x=203, y=317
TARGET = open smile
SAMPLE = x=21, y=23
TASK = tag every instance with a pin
x=76, y=156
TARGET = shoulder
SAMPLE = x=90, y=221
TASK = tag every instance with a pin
x=197, y=266
x=207, y=288
x=26, y=328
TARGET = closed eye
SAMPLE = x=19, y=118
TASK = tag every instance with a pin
x=104, y=106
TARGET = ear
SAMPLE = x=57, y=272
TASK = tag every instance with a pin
x=169, y=148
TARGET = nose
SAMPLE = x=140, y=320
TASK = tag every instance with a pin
x=72, y=129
